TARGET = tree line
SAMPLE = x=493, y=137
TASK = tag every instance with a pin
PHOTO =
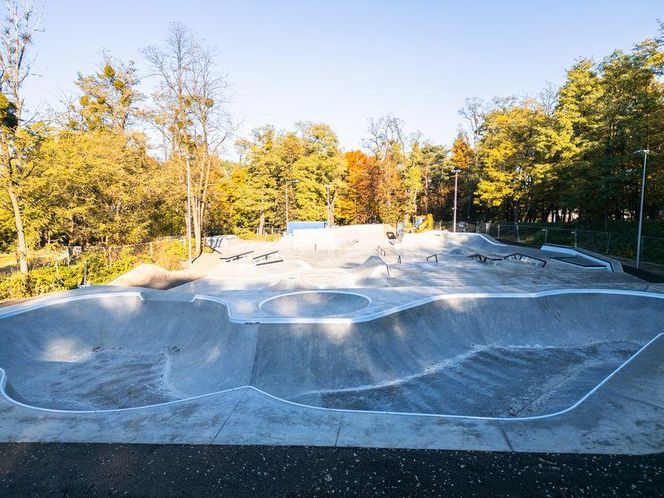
x=116, y=166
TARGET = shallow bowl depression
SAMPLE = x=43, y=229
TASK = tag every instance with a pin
x=315, y=304
x=489, y=356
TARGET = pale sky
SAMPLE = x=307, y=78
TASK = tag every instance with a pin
x=342, y=62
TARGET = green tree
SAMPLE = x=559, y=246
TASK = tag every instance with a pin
x=109, y=99
x=95, y=187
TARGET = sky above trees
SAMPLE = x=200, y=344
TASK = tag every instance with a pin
x=343, y=62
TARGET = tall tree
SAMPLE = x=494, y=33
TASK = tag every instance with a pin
x=514, y=164
x=463, y=158
x=97, y=187
x=386, y=142
x=18, y=134
x=318, y=173
x=432, y=160
x=191, y=114
x=359, y=199
x=109, y=99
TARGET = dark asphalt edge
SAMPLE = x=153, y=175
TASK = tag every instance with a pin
x=70, y=469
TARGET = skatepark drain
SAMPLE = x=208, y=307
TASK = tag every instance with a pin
x=314, y=304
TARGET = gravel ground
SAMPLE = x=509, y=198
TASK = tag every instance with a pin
x=179, y=470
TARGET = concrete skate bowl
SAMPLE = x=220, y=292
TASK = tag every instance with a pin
x=110, y=352
x=481, y=357
x=314, y=304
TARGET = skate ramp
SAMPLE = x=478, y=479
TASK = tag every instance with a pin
x=373, y=272
x=444, y=242
x=494, y=357
x=342, y=237
x=121, y=352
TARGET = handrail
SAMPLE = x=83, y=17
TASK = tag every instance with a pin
x=266, y=255
x=269, y=262
x=235, y=257
x=482, y=258
x=521, y=257
x=433, y=256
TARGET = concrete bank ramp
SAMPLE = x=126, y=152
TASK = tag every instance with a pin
x=496, y=357
x=373, y=272
x=444, y=242
x=342, y=237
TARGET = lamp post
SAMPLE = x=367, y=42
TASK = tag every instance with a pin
x=645, y=153
x=456, y=172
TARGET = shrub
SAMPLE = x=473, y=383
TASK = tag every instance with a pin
x=169, y=254
x=101, y=268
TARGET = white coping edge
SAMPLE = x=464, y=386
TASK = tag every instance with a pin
x=494, y=242
x=3, y=384
x=17, y=309
x=574, y=252
x=248, y=319
x=20, y=308
x=489, y=239
x=367, y=299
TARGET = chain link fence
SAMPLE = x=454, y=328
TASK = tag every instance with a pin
x=603, y=242
x=68, y=255
x=146, y=250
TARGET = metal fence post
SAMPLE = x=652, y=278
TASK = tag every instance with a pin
x=518, y=236
x=575, y=238
x=546, y=235
x=608, y=241
x=498, y=236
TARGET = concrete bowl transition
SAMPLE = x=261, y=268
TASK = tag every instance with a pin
x=306, y=304
x=478, y=357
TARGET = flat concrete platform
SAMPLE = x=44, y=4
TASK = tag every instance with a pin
x=542, y=364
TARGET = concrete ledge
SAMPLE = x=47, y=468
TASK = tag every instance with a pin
x=609, y=264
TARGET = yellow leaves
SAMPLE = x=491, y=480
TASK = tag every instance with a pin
x=109, y=72
x=462, y=154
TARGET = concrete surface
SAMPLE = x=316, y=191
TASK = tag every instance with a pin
x=455, y=354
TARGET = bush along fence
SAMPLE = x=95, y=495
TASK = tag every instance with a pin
x=78, y=265
x=603, y=242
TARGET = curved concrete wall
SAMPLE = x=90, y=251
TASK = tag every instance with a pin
x=118, y=352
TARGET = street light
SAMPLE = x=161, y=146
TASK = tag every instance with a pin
x=456, y=172
x=645, y=153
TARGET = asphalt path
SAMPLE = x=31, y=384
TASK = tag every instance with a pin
x=185, y=470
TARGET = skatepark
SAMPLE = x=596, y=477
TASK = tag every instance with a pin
x=349, y=336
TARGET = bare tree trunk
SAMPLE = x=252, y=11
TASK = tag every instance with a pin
x=21, y=20
x=197, y=217
x=21, y=244
x=261, y=223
